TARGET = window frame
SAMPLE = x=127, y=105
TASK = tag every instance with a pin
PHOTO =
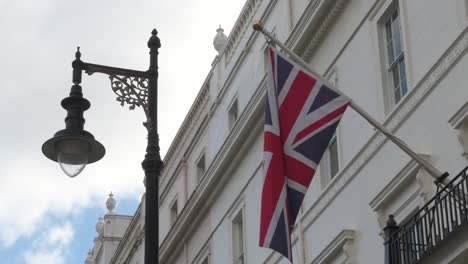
x=390, y=100
x=199, y=176
x=238, y=257
x=232, y=119
x=236, y=207
x=174, y=203
x=204, y=255
x=325, y=164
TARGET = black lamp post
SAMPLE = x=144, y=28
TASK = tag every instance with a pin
x=73, y=147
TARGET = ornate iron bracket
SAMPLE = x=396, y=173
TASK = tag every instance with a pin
x=130, y=86
x=132, y=91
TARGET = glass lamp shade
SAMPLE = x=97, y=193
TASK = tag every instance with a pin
x=73, y=149
x=66, y=163
x=72, y=156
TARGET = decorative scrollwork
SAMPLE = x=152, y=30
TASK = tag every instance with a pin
x=130, y=90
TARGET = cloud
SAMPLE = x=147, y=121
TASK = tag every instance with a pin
x=41, y=37
x=47, y=192
x=41, y=257
x=51, y=246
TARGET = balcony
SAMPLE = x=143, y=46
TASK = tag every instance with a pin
x=427, y=229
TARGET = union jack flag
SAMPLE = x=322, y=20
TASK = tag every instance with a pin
x=301, y=117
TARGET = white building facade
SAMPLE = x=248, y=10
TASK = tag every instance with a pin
x=402, y=61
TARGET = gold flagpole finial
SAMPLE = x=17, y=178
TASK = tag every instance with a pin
x=257, y=25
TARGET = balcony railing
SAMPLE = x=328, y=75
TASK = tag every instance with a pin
x=435, y=222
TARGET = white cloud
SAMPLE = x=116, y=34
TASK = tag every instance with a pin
x=60, y=235
x=51, y=246
x=40, y=40
x=41, y=257
x=50, y=193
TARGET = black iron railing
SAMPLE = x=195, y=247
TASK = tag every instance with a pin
x=426, y=229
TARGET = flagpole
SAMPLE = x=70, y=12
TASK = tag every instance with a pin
x=434, y=172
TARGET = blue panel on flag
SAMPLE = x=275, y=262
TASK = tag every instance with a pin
x=295, y=200
x=314, y=147
x=324, y=96
x=283, y=71
x=268, y=113
x=278, y=241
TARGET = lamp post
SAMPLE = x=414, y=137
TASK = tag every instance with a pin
x=73, y=147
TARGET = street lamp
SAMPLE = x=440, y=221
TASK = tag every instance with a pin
x=74, y=147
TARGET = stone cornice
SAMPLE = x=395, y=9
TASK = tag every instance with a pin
x=111, y=239
x=341, y=243
x=216, y=175
x=187, y=125
x=314, y=24
x=327, y=21
x=240, y=59
x=393, y=122
x=128, y=238
x=241, y=25
x=457, y=119
x=170, y=180
x=396, y=184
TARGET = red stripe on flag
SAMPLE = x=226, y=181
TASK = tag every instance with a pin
x=298, y=171
x=273, y=182
x=305, y=132
x=294, y=102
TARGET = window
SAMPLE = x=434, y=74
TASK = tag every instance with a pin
x=205, y=261
x=233, y=113
x=330, y=164
x=395, y=57
x=200, y=168
x=204, y=255
x=174, y=211
x=333, y=157
x=238, y=238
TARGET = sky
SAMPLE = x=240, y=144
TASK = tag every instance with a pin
x=45, y=216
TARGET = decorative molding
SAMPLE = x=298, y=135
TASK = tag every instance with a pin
x=411, y=172
x=181, y=137
x=459, y=121
x=242, y=23
x=396, y=119
x=240, y=59
x=187, y=125
x=313, y=26
x=246, y=130
x=319, y=33
x=133, y=235
x=301, y=26
x=164, y=191
x=459, y=117
x=342, y=244
x=396, y=183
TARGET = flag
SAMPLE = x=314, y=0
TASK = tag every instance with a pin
x=301, y=116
